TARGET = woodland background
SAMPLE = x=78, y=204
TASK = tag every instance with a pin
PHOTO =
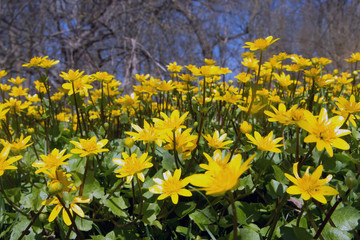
x=127, y=37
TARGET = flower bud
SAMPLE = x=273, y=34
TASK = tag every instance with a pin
x=30, y=131
x=355, y=73
x=129, y=142
x=55, y=187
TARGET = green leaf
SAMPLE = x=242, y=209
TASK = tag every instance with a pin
x=109, y=236
x=330, y=232
x=294, y=233
x=92, y=187
x=184, y=208
x=19, y=227
x=116, y=206
x=203, y=217
x=279, y=174
x=245, y=234
x=346, y=218
x=275, y=189
x=83, y=225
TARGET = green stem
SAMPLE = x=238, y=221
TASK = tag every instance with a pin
x=84, y=177
x=233, y=207
x=141, y=198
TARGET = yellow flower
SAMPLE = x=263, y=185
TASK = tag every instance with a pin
x=260, y=44
x=217, y=141
x=51, y=161
x=18, y=144
x=325, y=132
x=3, y=111
x=131, y=165
x=293, y=116
x=206, y=71
x=142, y=77
x=16, y=106
x=5, y=164
x=102, y=77
x=89, y=147
x=3, y=73
x=171, y=186
x=208, y=61
x=147, y=134
x=79, y=85
x=5, y=87
x=166, y=86
x=184, y=141
x=355, y=57
x=265, y=143
x=62, y=178
x=40, y=86
x=173, y=67
x=221, y=176
x=310, y=186
x=73, y=208
x=46, y=63
x=71, y=75
x=245, y=127
x=170, y=123
x=18, y=91
x=35, y=62
x=16, y=81
x=283, y=79
x=348, y=106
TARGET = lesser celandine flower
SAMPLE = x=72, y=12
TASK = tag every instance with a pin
x=325, y=132
x=72, y=208
x=131, y=165
x=71, y=75
x=171, y=186
x=216, y=141
x=175, y=121
x=51, y=161
x=245, y=127
x=16, y=81
x=18, y=91
x=5, y=163
x=310, y=186
x=260, y=44
x=221, y=176
x=349, y=106
x=266, y=143
x=89, y=147
x=147, y=134
x=184, y=142
x=3, y=73
x=18, y=144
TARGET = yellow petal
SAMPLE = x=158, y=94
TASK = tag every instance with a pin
x=77, y=210
x=319, y=198
x=163, y=196
x=293, y=190
x=156, y=189
x=185, y=192
x=174, y=198
x=55, y=212
x=328, y=191
x=66, y=217
x=305, y=196
x=291, y=178
x=341, y=144
x=317, y=173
